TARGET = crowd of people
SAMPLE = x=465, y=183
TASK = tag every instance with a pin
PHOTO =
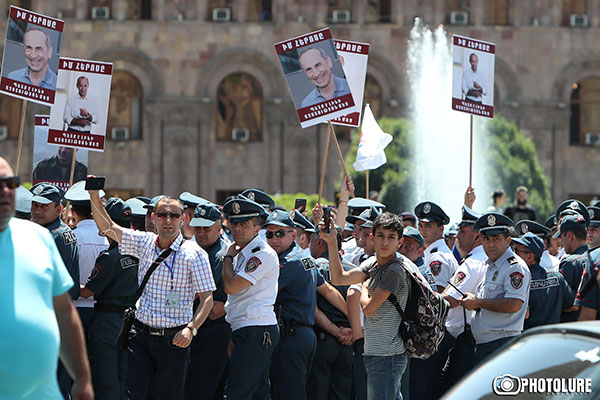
x=250, y=300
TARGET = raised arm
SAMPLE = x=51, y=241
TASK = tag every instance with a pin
x=102, y=219
x=342, y=210
x=338, y=275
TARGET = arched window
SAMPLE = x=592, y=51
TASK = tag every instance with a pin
x=373, y=96
x=239, y=108
x=585, y=112
x=496, y=12
x=125, y=109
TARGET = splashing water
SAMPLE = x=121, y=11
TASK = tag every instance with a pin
x=442, y=134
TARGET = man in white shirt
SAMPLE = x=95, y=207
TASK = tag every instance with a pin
x=474, y=84
x=81, y=110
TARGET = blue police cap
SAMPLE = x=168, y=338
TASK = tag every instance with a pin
x=431, y=212
x=451, y=230
x=119, y=211
x=259, y=197
x=78, y=195
x=23, y=200
x=597, y=204
x=150, y=206
x=491, y=224
x=243, y=209
x=551, y=222
x=280, y=218
x=408, y=216
x=190, y=200
x=357, y=204
x=368, y=214
x=570, y=223
x=594, y=215
x=145, y=199
x=525, y=226
x=413, y=233
x=46, y=193
x=349, y=227
x=206, y=215
x=137, y=207
x=468, y=216
x=532, y=242
x=572, y=207
x=302, y=222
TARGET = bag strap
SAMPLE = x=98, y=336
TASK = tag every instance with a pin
x=392, y=298
x=162, y=257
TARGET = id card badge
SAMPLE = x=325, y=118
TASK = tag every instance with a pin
x=172, y=300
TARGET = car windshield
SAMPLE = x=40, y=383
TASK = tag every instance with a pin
x=545, y=355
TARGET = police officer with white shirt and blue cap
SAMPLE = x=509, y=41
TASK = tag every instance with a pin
x=250, y=274
x=295, y=309
x=260, y=197
x=547, y=261
x=501, y=302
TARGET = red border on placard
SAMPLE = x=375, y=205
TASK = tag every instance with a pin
x=303, y=40
x=474, y=44
x=471, y=107
x=42, y=120
x=351, y=47
x=91, y=67
x=76, y=139
x=27, y=91
x=325, y=107
x=351, y=119
x=28, y=14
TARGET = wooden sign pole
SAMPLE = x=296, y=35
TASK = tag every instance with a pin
x=339, y=151
x=73, y=161
x=471, y=155
x=367, y=190
x=324, y=164
x=20, y=145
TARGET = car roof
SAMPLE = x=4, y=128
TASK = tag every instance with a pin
x=586, y=328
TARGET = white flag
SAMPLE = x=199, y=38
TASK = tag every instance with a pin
x=373, y=141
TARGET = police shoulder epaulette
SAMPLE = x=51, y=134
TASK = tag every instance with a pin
x=434, y=250
x=513, y=260
x=465, y=259
x=257, y=248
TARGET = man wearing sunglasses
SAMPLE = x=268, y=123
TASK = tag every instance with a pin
x=165, y=323
x=35, y=282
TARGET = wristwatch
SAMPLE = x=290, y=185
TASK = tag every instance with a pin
x=228, y=256
x=191, y=328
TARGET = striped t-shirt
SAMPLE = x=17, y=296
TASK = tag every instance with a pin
x=381, y=329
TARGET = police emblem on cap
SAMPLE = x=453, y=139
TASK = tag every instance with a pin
x=524, y=228
x=235, y=207
x=427, y=208
x=202, y=211
x=574, y=205
x=274, y=214
x=491, y=220
x=251, y=196
x=591, y=212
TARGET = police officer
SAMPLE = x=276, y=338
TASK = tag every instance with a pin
x=149, y=210
x=190, y=201
x=502, y=298
x=549, y=293
x=412, y=248
x=250, y=273
x=138, y=213
x=355, y=207
x=590, y=301
x=363, y=224
x=113, y=283
x=260, y=197
x=547, y=261
x=572, y=207
x=593, y=231
x=206, y=380
x=295, y=309
x=46, y=209
x=572, y=232
x=304, y=229
x=23, y=203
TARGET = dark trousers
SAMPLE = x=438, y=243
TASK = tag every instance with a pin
x=330, y=377
x=109, y=364
x=291, y=362
x=359, y=374
x=208, y=366
x=155, y=362
x=484, y=350
x=460, y=361
x=248, y=375
x=426, y=375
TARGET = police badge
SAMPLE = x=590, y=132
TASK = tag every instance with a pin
x=235, y=207
x=491, y=220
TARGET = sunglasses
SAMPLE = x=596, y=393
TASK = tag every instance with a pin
x=164, y=215
x=11, y=182
x=278, y=234
x=522, y=251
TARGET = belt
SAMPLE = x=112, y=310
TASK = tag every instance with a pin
x=110, y=308
x=157, y=331
x=292, y=323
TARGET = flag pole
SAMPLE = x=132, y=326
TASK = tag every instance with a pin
x=21, y=127
x=324, y=163
x=471, y=154
x=367, y=190
x=73, y=161
x=339, y=151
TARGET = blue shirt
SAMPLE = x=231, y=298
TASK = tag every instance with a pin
x=32, y=273
x=340, y=88
x=549, y=294
x=22, y=75
x=572, y=267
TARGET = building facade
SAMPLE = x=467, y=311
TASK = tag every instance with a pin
x=199, y=102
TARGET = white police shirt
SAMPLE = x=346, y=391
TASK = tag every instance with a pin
x=507, y=278
x=441, y=262
x=467, y=278
x=349, y=249
x=253, y=306
x=549, y=262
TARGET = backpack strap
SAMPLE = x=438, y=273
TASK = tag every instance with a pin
x=392, y=298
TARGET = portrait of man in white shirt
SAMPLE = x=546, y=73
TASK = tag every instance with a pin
x=81, y=110
x=474, y=83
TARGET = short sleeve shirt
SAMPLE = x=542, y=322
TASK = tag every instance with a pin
x=441, y=262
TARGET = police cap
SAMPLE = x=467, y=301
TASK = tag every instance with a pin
x=77, y=194
x=358, y=204
x=243, y=209
x=468, y=216
x=525, y=226
x=570, y=223
x=532, y=242
x=369, y=214
x=150, y=206
x=280, y=218
x=137, y=207
x=259, y=197
x=23, y=200
x=491, y=224
x=594, y=215
x=408, y=216
x=431, y=212
x=46, y=193
x=206, y=215
x=413, y=233
x=119, y=211
x=191, y=201
x=302, y=222
x=572, y=207
x=349, y=227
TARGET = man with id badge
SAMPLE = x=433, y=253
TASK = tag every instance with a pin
x=164, y=324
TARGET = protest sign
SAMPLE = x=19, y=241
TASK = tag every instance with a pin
x=79, y=115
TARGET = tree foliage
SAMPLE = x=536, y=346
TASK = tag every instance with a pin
x=513, y=161
x=287, y=200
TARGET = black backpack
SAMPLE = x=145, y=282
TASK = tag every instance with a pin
x=423, y=321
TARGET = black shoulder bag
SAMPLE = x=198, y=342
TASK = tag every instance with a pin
x=129, y=314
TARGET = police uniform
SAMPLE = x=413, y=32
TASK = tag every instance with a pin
x=138, y=213
x=250, y=311
x=358, y=255
x=331, y=372
x=573, y=265
x=51, y=170
x=547, y=261
x=591, y=298
x=356, y=206
x=549, y=293
x=303, y=223
x=506, y=278
x=23, y=203
x=208, y=357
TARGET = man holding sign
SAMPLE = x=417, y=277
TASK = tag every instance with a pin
x=38, y=50
x=317, y=66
